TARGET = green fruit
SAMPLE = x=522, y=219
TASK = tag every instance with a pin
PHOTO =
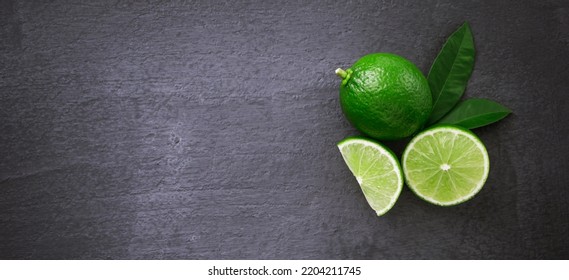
x=446, y=165
x=385, y=96
x=376, y=169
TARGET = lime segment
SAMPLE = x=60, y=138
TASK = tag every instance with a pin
x=376, y=169
x=446, y=165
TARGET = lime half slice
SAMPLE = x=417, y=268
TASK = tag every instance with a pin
x=446, y=165
x=376, y=169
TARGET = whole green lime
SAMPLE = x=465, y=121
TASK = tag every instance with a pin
x=385, y=96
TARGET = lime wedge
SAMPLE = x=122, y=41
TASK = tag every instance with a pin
x=376, y=169
x=446, y=165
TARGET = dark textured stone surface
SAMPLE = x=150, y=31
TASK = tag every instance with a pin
x=207, y=129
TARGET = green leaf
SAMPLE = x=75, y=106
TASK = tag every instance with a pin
x=450, y=72
x=475, y=112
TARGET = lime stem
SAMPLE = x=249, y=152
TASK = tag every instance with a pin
x=341, y=73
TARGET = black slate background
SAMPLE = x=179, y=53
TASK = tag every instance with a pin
x=207, y=130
